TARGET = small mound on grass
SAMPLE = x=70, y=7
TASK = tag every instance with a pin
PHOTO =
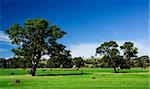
x=93, y=77
x=17, y=81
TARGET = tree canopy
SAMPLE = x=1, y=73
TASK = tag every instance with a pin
x=129, y=52
x=35, y=38
x=111, y=55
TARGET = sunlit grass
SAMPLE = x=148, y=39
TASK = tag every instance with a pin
x=95, y=78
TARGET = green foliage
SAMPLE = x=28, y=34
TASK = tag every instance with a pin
x=78, y=62
x=14, y=63
x=129, y=50
x=92, y=62
x=104, y=48
x=3, y=63
x=142, y=61
x=110, y=53
x=60, y=58
x=34, y=39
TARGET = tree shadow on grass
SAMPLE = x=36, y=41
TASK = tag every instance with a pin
x=69, y=74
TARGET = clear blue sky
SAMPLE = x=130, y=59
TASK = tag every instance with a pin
x=85, y=21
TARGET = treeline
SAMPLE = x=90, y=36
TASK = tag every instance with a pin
x=37, y=37
x=142, y=61
x=43, y=63
x=77, y=62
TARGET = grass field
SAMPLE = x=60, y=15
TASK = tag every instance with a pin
x=87, y=78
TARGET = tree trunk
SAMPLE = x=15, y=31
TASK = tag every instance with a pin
x=35, y=63
x=61, y=66
x=115, y=70
x=33, y=70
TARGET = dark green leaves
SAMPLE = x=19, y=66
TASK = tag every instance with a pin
x=111, y=55
x=36, y=38
x=129, y=50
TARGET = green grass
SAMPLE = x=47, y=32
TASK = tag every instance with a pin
x=73, y=79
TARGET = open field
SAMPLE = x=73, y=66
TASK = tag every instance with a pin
x=94, y=78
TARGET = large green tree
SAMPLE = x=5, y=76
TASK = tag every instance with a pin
x=110, y=54
x=34, y=39
x=129, y=52
x=78, y=61
x=60, y=57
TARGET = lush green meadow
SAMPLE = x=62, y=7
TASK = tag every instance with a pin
x=86, y=78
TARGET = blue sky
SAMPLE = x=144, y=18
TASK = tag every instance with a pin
x=87, y=22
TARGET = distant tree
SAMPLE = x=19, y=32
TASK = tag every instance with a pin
x=78, y=62
x=10, y=63
x=3, y=63
x=41, y=65
x=34, y=39
x=15, y=62
x=60, y=57
x=130, y=52
x=110, y=54
x=92, y=57
x=142, y=61
x=89, y=61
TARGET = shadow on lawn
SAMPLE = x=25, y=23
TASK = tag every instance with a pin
x=64, y=74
